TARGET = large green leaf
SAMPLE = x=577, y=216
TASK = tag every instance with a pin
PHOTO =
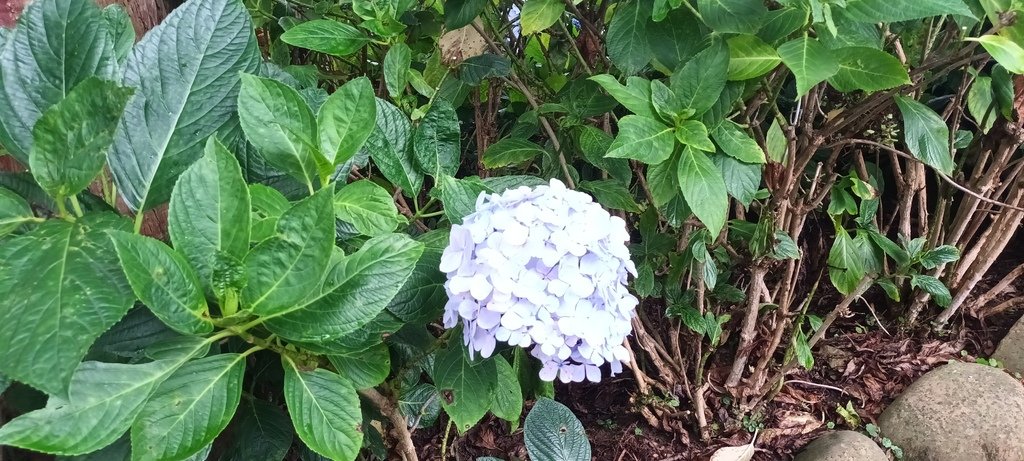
x=277, y=120
x=476, y=69
x=742, y=180
x=459, y=13
x=121, y=30
x=781, y=23
x=675, y=39
x=390, y=147
x=326, y=36
x=358, y=287
x=737, y=143
x=465, y=386
x=209, y=211
x=538, y=15
x=325, y=411
x=508, y=394
x=810, y=62
x=262, y=432
x=732, y=16
x=750, y=57
x=981, y=103
x=459, y=196
x=889, y=11
x=642, y=138
x=14, y=211
x=103, y=400
x=510, y=151
x=63, y=287
x=366, y=368
x=704, y=189
x=925, y=134
x=635, y=95
x=423, y=297
x=186, y=90
x=164, y=282
x=553, y=433
x=368, y=207
x=435, y=144
x=189, y=409
x=845, y=266
x=626, y=38
x=396, y=68
x=698, y=84
x=663, y=180
x=868, y=69
x=1005, y=51
x=71, y=139
x=346, y=119
x=611, y=194
x=56, y=45
x=287, y=267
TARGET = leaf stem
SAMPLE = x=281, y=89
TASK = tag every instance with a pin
x=138, y=221
x=76, y=206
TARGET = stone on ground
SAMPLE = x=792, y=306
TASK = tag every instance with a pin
x=1011, y=349
x=842, y=446
x=958, y=412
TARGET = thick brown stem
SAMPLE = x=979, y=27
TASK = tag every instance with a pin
x=400, y=428
x=757, y=274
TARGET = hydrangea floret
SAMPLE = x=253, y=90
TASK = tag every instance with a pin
x=543, y=268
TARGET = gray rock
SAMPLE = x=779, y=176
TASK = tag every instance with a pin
x=842, y=446
x=1011, y=349
x=957, y=412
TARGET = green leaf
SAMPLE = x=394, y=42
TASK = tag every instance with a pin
x=189, y=409
x=663, y=179
x=925, y=134
x=435, y=143
x=704, y=189
x=593, y=144
x=676, y=39
x=940, y=255
x=508, y=395
x=368, y=207
x=186, y=90
x=888, y=11
x=103, y=400
x=742, y=180
x=611, y=194
x=538, y=15
x=465, y=387
x=981, y=103
x=326, y=36
x=459, y=196
x=642, y=138
x=164, y=282
x=635, y=95
x=803, y=350
x=553, y=433
x=626, y=38
x=930, y=285
x=846, y=269
x=64, y=287
x=867, y=69
x=366, y=368
x=732, y=16
x=14, y=211
x=396, y=64
x=700, y=82
x=420, y=404
x=776, y=143
x=346, y=119
x=750, y=57
x=810, y=62
x=423, y=296
x=268, y=205
x=71, y=139
x=1002, y=85
x=262, y=432
x=479, y=68
x=1004, y=50
x=737, y=143
x=56, y=45
x=356, y=290
x=325, y=411
x=279, y=123
x=121, y=30
x=850, y=33
x=510, y=151
x=209, y=211
x=287, y=267
x=781, y=23
x=390, y=147
x=459, y=13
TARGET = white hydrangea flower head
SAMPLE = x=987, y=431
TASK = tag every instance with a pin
x=543, y=268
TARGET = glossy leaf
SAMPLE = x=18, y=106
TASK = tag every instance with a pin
x=364, y=369
x=742, y=180
x=186, y=90
x=164, y=282
x=476, y=69
x=732, y=16
x=262, y=432
x=635, y=95
x=538, y=15
x=14, y=212
x=423, y=297
x=698, y=84
x=459, y=13
x=553, y=433
x=926, y=135
x=626, y=38
x=750, y=57
x=465, y=385
x=508, y=395
x=346, y=119
x=326, y=36
x=189, y=409
x=324, y=409
x=209, y=211
x=64, y=288
x=287, y=267
x=611, y=194
x=868, y=69
x=436, y=145
x=1005, y=51
x=642, y=138
x=368, y=207
x=390, y=147
x=459, y=196
x=888, y=11
x=510, y=151
x=810, y=62
x=737, y=143
x=704, y=189
x=72, y=138
x=981, y=103
x=396, y=63
x=279, y=123
x=934, y=287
